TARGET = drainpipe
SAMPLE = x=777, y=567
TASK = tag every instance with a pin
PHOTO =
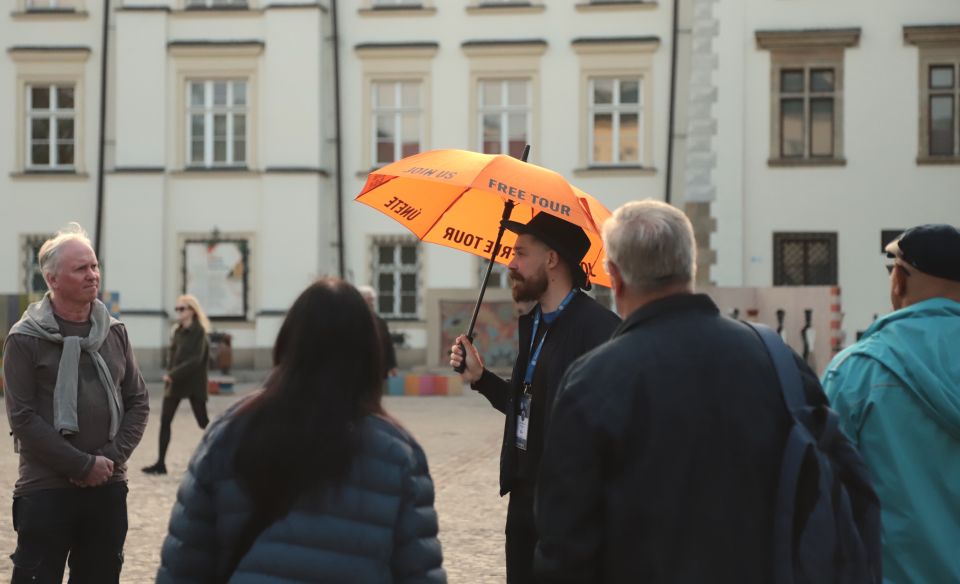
x=339, y=142
x=673, y=96
x=103, y=131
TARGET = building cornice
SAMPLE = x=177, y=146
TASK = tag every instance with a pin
x=935, y=35
x=144, y=8
x=22, y=53
x=615, y=6
x=247, y=47
x=819, y=38
x=513, y=47
x=590, y=45
x=397, y=50
x=507, y=8
x=398, y=10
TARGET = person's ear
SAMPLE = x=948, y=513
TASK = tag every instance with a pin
x=616, y=278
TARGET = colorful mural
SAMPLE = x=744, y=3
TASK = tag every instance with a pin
x=495, y=332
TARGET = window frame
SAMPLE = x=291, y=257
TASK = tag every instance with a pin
x=936, y=44
x=208, y=110
x=211, y=62
x=30, y=265
x=782, y=237
x=631, y=57
x=504, y=110
x=397, y=112
x=615, y=109
x=398, y=269
x=807, y=50
x=53, y=114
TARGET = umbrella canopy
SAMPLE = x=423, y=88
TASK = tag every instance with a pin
x=456, y=198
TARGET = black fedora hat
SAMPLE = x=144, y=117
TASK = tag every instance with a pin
x=567, y=239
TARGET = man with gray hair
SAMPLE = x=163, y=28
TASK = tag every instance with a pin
x=388, y=353
x=77, y=406
x=663, y=451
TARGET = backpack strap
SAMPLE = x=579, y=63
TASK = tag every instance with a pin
x=791, y=385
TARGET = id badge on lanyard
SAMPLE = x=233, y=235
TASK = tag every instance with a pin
x=523, y=418
x=526, y=399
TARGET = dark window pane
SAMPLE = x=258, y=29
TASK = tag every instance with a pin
x=65, y=98
x=240, y=93
x=491, y=133
x=629, y=138
x=385, y=255
x=65, y=154
x=196, y=94
x=408, y=255
x=941, y=77
x=40, y=97
x=385, y=304
x=239, y=151
x=385, y=283
x=791, y=80
x=942, y=124
x=516, y=148
x=792, y=262
x=791, y=128
x=40, y=153
x=805, y=259
x=65, y=129
x=821, y=80
x=408, y=304
x=196, y=150
x=602, y=91
x=821, y=127
x=40, y=129
x=629, y=92
x=408, y=283
x=220, y=151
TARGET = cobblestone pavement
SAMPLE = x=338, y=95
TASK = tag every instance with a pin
x=461, y=436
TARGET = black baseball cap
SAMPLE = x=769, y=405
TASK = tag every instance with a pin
x=567, y=239
x=933, y=249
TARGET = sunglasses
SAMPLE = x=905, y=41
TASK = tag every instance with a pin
x=181, y=308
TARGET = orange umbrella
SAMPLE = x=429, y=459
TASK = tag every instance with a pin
x=457, y=198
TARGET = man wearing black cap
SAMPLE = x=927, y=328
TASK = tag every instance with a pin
x=565, y=324
x=897, y=392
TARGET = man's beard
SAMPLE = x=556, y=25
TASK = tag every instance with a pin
x=528, y=289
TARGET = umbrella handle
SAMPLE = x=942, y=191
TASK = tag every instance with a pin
x=463, y=364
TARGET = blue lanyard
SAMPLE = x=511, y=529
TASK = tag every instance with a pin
x=535, y=355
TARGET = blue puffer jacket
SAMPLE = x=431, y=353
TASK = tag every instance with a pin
x=379, y=525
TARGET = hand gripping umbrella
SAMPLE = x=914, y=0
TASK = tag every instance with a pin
x=460, y=199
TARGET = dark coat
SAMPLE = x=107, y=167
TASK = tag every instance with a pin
x=582, y=325
x=377, y=525
x=663, y=454
x=389, y=354
x=187, y=367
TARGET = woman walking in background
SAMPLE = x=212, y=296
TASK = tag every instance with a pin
x=309, y=480
x=187, y=373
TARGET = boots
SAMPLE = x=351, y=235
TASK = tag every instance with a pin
x=158, y=468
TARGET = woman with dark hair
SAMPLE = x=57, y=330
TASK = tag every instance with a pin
x=309, y=480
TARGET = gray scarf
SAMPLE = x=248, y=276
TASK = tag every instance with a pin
x=38, y=321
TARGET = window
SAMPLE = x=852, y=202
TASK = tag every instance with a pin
x=939, y=92
x=396, y=120
x=616, y=83
x=804, y=259
x=217, y=122
x=396, y=269
x=943, y=95
x=807, y=94
x=217, y=271
x=50, y=126
x=504, y=109
x=499, y=277
x=615, y=109
x=34, y=282
x=888, y=235
x=807, y=98
x=51, y=4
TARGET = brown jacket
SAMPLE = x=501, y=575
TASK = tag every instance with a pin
x=49, y=460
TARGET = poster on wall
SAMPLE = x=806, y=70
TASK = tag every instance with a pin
x=215, y=271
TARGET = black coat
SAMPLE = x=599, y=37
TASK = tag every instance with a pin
x=582, y=325
x=663, y=454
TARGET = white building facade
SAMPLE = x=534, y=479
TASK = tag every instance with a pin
x=817, y=132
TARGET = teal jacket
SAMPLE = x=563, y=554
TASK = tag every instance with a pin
x=897, y=393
